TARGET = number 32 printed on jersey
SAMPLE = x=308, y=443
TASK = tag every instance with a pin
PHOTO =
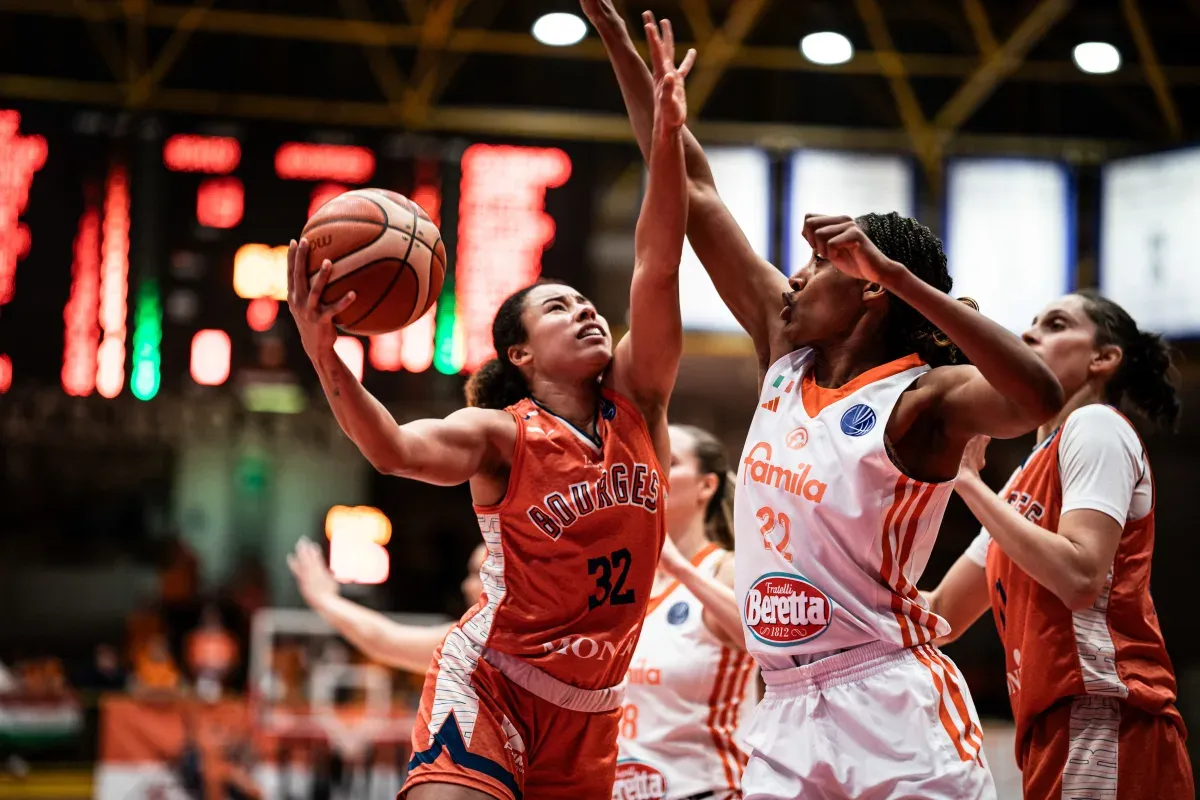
x=605, y=568
x=776, y=526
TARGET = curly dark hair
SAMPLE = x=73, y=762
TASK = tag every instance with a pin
x=1146, y=376
x=499, y=383
x=907, y=241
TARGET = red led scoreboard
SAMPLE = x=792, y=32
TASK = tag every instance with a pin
x=143, y=255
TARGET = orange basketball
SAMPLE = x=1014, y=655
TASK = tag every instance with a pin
x=386, y=249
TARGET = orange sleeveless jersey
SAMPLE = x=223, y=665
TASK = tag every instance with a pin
x=578, y=536
x=1113, y=648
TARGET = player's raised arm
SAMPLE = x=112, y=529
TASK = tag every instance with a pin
x=749, y=285
x=406, y=647
x=647, y=359
x=445, y=452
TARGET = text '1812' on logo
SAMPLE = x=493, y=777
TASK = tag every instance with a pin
x=784, y=610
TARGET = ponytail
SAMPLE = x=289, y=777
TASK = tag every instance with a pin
x=1145, y=377
x=499, y=383
x=718, y=515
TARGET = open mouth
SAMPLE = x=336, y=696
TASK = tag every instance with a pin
x=591, y=331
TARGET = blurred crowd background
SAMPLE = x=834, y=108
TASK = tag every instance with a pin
x=164, y=442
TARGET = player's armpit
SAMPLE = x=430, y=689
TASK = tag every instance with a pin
x=450, y=451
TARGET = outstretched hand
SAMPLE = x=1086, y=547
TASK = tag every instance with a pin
x=313, y=578
x=314, y=319
x=670, y=96
x=974, y=457
x=843, y=243
x=601, y=12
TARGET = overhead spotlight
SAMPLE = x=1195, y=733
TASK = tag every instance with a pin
x=1097, y=58
x=559, y=29
x=827, y=47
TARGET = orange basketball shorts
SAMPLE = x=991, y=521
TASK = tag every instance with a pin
x=1103, y=747
x=477, y=728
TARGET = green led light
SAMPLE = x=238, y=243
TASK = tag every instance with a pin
x=448, y=346
x=147, y=337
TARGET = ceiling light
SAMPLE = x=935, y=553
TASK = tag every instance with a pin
x=1097, y=58
x=559, y=30
x=827, y=47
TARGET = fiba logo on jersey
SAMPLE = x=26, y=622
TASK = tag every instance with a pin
x=783, y=610
x=678, y=613
x=638, y=781
x=858, y=420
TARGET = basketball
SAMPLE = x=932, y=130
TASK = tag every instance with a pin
x=385, y=249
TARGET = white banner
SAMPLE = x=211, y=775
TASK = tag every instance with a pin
x=743, y=177
x=835, y=182
x=1149, y=238
x=1010, y=235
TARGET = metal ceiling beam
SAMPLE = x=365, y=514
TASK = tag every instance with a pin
x=1153, y=68
x=907, y=105
x=106, y=43
x=487, y=42
x=148, y=80
x=981, y=29
x=135, y=38
x=436, y=28
x=487, y=122
x=699, y=18
x=718, y=52
x=392, y=82
x=977, y=88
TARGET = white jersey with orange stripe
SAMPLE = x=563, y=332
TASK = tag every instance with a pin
x=686, y=698
x=831, y=536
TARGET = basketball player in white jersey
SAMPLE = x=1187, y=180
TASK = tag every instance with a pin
x=690, y=683
x=866, y=407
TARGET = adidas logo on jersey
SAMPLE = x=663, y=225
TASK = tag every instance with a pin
x=793, y=481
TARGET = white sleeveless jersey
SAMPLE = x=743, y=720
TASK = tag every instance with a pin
x=831, y=536
x=685, y=698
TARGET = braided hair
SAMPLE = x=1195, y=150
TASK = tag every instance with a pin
x=907, y=241
x=1145, y=376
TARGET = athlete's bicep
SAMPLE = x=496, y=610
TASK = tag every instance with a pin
x=450, y=451
x=969, y=406
x=750, y=286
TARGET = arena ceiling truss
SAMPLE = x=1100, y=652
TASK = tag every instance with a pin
x=934, y=78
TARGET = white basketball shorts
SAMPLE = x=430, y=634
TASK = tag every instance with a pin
x=873, y=723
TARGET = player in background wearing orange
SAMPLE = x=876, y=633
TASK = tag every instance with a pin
x=1064, y=562
x=565, y=448
x=865, y=408
x=690, y=683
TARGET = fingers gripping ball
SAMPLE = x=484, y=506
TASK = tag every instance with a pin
x=386, y=250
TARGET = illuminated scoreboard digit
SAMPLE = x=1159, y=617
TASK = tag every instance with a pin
x=503, y=228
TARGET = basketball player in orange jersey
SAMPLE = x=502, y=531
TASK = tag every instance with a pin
x=690, y=682
x=1064, y=562
x=865, y=409
x=563, y=448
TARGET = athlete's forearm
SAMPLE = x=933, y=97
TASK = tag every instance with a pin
x=361, y=416
x=720, y=604
x=406, y=647
x=1051, y=560
x=1001, y=357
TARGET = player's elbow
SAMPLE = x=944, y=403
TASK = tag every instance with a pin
x=1044, y=397
x=1082, y=590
